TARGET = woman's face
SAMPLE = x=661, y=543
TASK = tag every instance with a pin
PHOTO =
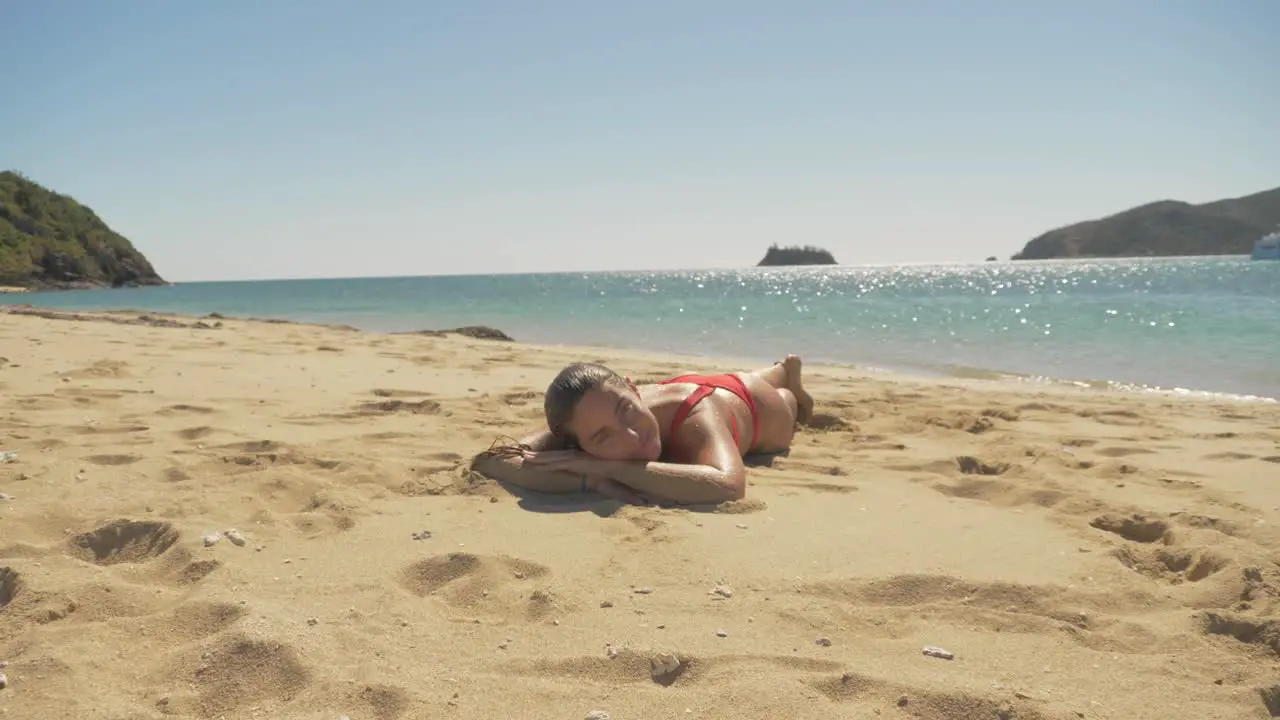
x=612, y=423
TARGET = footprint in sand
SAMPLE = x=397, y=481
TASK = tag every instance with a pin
x=976, y=466
x=229, y=675
x=10, y=586
x=259, y=453
x=105, y=429
x=521, y=398
x=182, y=409
x=1165, y=561
x=1172, y=565
x=369, y=700
x=97, y=600
x=113, y=460
x=392, y=393
x=828, y=422
x=1271, y=699
x=1262, y=632
x=392, y=407
x=195, y=433
x=254, y=446
x=324, y=514
x=20, y=605
x=1137, y=527
x=1000, y=493
x=1228, y=456
x=390, y=435
x=194, y=620
x=502, y=588
x=920, y=702
x=901, y=606
x=1119, y=452
x=312, y=507
x=124, y=541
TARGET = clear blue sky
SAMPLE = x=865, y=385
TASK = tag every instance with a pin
x=310, y=138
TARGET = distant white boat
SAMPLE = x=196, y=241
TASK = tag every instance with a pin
x=1267, y=247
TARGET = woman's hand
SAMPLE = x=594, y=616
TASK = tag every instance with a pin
x=574, y=461
x=593, y=469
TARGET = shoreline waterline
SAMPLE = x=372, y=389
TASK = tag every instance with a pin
x=963, y=375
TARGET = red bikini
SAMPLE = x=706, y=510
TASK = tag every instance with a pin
x=708, y=384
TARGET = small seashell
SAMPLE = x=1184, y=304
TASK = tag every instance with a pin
x=643, y=590
x=7, y=496
x=211, y=539
x=823, y=641
x=723, y=591
x=722, y=633
x=597, y=715
x=235, y=537
x=935, y=651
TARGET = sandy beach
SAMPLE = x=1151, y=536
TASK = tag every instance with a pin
x=1078, y=553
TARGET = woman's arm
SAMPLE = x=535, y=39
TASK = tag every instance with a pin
x=506, y=464
x=683, y=484
x=715, y=472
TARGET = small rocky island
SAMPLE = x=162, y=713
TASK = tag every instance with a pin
x=796, y=255
x=49, y=241
x=1164, y=229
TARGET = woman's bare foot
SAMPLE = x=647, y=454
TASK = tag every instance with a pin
x=804, y=401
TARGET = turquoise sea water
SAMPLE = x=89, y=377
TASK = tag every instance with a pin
x=1198, y=324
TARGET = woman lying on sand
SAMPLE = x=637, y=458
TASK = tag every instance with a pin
x=680, y=440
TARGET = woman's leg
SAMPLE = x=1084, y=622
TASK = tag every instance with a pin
x=784, y=375
x=781, y=402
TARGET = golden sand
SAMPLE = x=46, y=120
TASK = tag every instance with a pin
x=1081, y=554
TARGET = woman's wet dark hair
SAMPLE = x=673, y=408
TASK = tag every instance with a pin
x=568, y=388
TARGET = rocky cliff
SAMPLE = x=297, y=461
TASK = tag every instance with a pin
x=796, y=255
x=1165, y=228
x=48, y=240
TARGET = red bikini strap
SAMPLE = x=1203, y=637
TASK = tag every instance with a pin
x=686, y=407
